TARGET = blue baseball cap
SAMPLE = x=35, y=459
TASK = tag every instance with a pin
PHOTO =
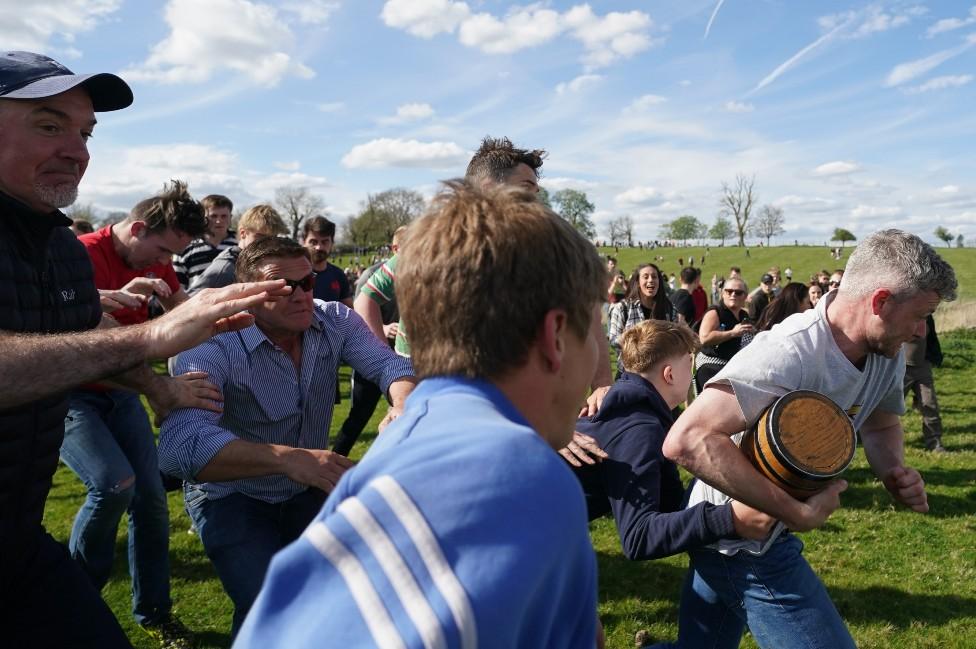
x=25, y=75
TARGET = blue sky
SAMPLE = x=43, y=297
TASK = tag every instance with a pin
x=852, y=114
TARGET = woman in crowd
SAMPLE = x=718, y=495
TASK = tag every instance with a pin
x=794, y=298
x=646, y=300
x=721, y=332
x=814, y=292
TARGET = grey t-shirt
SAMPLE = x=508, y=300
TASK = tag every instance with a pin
x=800, y=354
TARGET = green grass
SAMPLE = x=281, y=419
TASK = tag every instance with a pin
x=804, y=260
x=899, y=579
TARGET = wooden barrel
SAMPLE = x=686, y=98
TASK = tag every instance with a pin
x=802, y=442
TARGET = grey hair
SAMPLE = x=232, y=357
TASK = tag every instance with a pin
x=900, y=262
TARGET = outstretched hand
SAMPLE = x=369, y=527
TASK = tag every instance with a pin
x=207, y=313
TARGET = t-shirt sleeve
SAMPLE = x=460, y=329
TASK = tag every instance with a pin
x=381, y=285
x=761, y=373
x=345, y=291
x=893, y=400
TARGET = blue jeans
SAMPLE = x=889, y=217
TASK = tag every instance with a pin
x=777, y=595
x=241, y=534
x=109, y=444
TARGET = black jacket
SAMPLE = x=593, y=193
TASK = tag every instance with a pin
x=46, y=286
x=639, y=484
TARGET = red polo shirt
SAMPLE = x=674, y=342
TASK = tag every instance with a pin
x=112, y=273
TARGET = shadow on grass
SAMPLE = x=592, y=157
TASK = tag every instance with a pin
x=211, y=639
x=652, y=584
x=880, y=604
x=864, y=491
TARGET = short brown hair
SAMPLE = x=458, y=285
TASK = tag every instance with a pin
x=648, y=343
x=216, y=200
x=172, y=209
x=496, y=158
x=263, y=219
x=466, y=268
x=255, y=254
x=320, y=226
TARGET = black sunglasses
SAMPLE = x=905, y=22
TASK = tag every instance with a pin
x=734, y=292
x=306, y=283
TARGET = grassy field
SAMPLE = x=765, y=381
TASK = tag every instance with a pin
x=900, y=580
x=805, y=261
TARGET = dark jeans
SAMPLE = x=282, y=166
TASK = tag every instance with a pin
x=241, y=534
x=365, y=396
x=52, y=603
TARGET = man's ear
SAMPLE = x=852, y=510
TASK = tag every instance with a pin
x=138, y=229
x=552, y=338
x=879, y=298
x=667, y=373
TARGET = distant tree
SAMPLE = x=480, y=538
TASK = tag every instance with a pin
x=381, y=215
x=721, y=230
x=683, y=228
x=737, y=201
x=297, y=203
x=622, y=231
x=544, y=197
x=842, y=235
x=768, y=223
x=960, y=242
x=572, y=205
x=945, y=235
x=84, y=212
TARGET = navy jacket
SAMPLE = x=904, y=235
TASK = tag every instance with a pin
x=639, y=484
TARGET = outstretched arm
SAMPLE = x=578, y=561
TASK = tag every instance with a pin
x=33, y=366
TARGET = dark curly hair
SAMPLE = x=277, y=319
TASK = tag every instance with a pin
x=496, y=158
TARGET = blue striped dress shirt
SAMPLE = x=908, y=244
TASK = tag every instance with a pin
x=266, y=401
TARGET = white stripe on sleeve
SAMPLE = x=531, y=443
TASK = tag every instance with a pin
x=430, y=552
x=374, y=613
x=388, y=556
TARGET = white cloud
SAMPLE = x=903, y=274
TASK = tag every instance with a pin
x=579, y=83
x=641, y=196
x=50, y=26
x=846, y=26
x=520, y=29
x=941, y=83
x=905, y=72
x=294, y=165
x=311, y=12
x=949, y=189
x=615, y=35
x=875, y=211
x=950, y=24
x=684, y=83
x=253, y=41
x=605, y=38
x=561, y=182
x=739, y=107
x=408, y=113
x=388, y=152
x=836, y=168
x=424, y=18
x=644, y=102
x=805, y=204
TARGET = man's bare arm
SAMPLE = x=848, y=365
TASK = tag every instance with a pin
x=884, y=446
x=700, y=441
x=369, y=311
x=33, y=366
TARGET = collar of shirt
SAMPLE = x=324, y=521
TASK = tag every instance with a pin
x=457, y=384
